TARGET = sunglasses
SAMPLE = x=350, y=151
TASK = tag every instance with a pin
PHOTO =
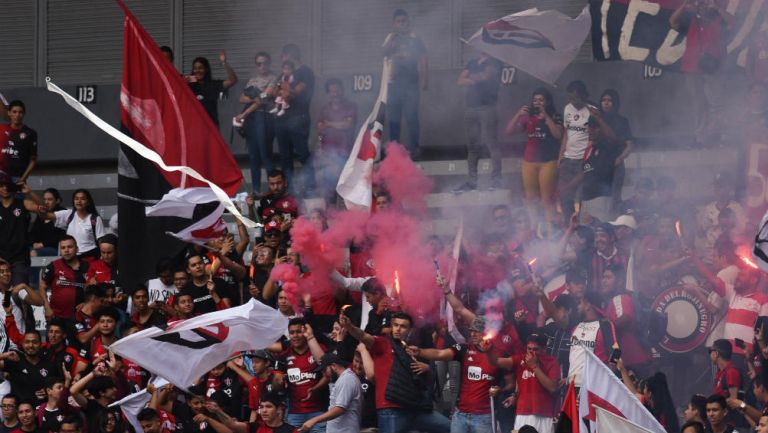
x=272, y=234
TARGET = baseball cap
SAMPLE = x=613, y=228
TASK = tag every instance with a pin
x=625, y=220
x=271, y=226
x=328, y=359
x=605, y=228
x=477, y=325
x=261, y=354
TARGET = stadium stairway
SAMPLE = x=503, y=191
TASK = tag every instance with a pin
x=692, y=168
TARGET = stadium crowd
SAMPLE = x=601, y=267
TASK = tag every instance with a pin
x=574, y=268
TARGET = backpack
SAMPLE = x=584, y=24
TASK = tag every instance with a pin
x=93, y=224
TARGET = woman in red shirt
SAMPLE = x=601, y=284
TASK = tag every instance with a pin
x=545, y=129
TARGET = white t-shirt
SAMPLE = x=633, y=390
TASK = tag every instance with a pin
x=584, y=337
x=159, y=292
x=575, y=122
x=80, y=229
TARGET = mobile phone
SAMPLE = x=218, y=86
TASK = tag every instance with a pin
x=740, y=343
x=7, y=299
x=615, y=355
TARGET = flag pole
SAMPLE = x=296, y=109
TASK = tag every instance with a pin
x=493, y=414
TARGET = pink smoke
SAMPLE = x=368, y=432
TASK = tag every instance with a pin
x=395, y=237
x=289, y=275
x=404, y=181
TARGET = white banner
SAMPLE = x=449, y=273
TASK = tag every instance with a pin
x=190, y=348
x=541, y=43
x=600, y=387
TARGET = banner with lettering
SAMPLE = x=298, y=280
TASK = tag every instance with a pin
x=640, y=30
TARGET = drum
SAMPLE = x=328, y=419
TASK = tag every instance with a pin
x=688, y=320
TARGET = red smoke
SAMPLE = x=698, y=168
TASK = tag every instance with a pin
x=396, y=239
x=404, y=181
x=288, y=274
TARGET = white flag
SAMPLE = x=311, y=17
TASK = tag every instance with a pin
x=181, y=202
x=601, y=388
x=190, y=348
x=355, y=183
x=541, y=43
x=132, y=404
x=608, y=422
x=760, y=251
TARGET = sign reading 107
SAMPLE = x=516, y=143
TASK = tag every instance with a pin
x=362, y=82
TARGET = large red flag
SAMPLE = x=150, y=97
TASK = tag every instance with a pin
x=160, y=111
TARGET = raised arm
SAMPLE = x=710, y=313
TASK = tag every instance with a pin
x=455, y=302
x=356, y=333
x=231, y=75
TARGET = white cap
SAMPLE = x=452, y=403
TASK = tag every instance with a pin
x=625, y=220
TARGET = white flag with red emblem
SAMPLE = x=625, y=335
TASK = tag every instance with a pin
x=198, y=204
x=355, y=182
x=541, y=43
x=601, y=388
x=187, y=349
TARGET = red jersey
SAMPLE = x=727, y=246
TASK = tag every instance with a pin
x=66, y=286
x=507, y=341
x=101, y=270
x=167, y=421
x=83, y=322
x=533, y=398
x=258, y=387
x=477, y=377
x=301, y=377
x=706, y=38
x=383, y=356
x=632, y=351
x=134, y=374
x=728, y=377
x=98, y=348
x=541, y=146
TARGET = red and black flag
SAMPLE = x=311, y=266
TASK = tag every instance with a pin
x=158, y=109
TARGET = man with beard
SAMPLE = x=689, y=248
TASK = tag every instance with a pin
x=27, y=372
x=479, y=374
x=400, y=400
x=346, y=401
x=277, y=200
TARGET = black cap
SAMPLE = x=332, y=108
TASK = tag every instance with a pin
x=328, y=359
